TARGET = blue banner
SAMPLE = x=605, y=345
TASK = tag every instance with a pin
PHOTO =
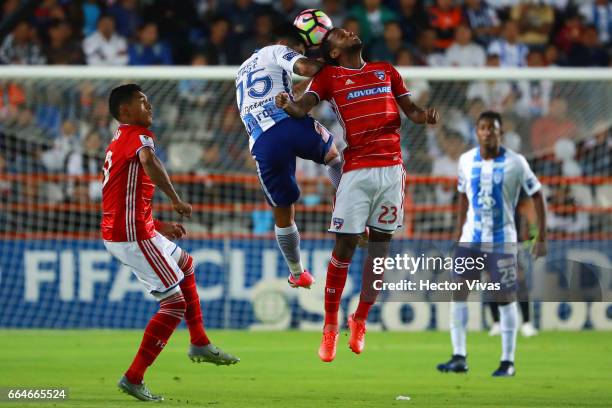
x=242, y=284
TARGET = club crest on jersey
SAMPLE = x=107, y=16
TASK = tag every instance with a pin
x=497, y=177
x=146, y=141
x=380, y=75
x=485, y=200
x=338, y=223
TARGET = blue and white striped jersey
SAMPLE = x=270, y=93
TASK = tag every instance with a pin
x=493, y=188
x=260, y=78
x=510, y=55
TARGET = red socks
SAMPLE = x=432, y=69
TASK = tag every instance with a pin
x=156, y=335
x=193, y=314
x=337, y=271
x=362, y=310
x=161, y=326
x=368, y=294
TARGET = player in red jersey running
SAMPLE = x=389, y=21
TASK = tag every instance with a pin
x=131, y=172
x=365, y=97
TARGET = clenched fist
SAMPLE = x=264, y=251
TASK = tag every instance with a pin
x=432, y=116
x=282, y=100
x=182, y=208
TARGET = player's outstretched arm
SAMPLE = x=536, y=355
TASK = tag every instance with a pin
x=307, y=67
x=416, y=114
x=156, y=171
x=298, y=108
x=539, y=247
x=461, y=215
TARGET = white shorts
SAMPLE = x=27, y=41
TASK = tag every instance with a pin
x=154, y=261
x=372, y=197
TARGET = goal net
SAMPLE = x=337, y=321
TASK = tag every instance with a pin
x=55, y=125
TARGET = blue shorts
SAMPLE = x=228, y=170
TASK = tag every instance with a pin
x=501, y=267
x=276, y=149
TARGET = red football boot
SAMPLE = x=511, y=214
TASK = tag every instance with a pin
x=304, y=281
x=327, y=350
x=358, y=331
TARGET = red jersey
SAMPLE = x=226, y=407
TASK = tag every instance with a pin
x=127, y=191
x=445, y=22
x=364, y=101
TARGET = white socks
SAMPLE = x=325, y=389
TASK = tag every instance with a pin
x=508, y=321
x=458, y=327
x=288, y=240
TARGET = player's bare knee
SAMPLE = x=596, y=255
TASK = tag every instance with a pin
x=378, y=243
x=345, y=245
x=378, y=249
x=283, y=216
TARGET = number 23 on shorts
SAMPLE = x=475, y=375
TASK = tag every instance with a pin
x=388, y=214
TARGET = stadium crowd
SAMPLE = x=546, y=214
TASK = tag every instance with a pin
x=432, y=32
x=52, y=127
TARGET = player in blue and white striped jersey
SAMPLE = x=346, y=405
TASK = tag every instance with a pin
x=492, y=187
x=275, y=139
x=490, y=181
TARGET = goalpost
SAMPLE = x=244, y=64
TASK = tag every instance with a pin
x=54, y=126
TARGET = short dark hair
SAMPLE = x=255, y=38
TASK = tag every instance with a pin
x=494, y=116
x=219, y=18
x=326, y=48
x=22, y=21
x=120, y=95
x=106, y=15
x=393, y=22
x=288, y=32
x=145, y=24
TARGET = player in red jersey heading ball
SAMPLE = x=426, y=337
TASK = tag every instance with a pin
x=131, y=172
x=367, y=98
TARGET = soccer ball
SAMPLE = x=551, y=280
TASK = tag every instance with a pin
x=313, y=24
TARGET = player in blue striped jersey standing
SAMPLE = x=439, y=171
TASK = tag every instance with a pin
x=490, y=181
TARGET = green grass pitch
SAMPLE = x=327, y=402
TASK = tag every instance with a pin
x=281, y=369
